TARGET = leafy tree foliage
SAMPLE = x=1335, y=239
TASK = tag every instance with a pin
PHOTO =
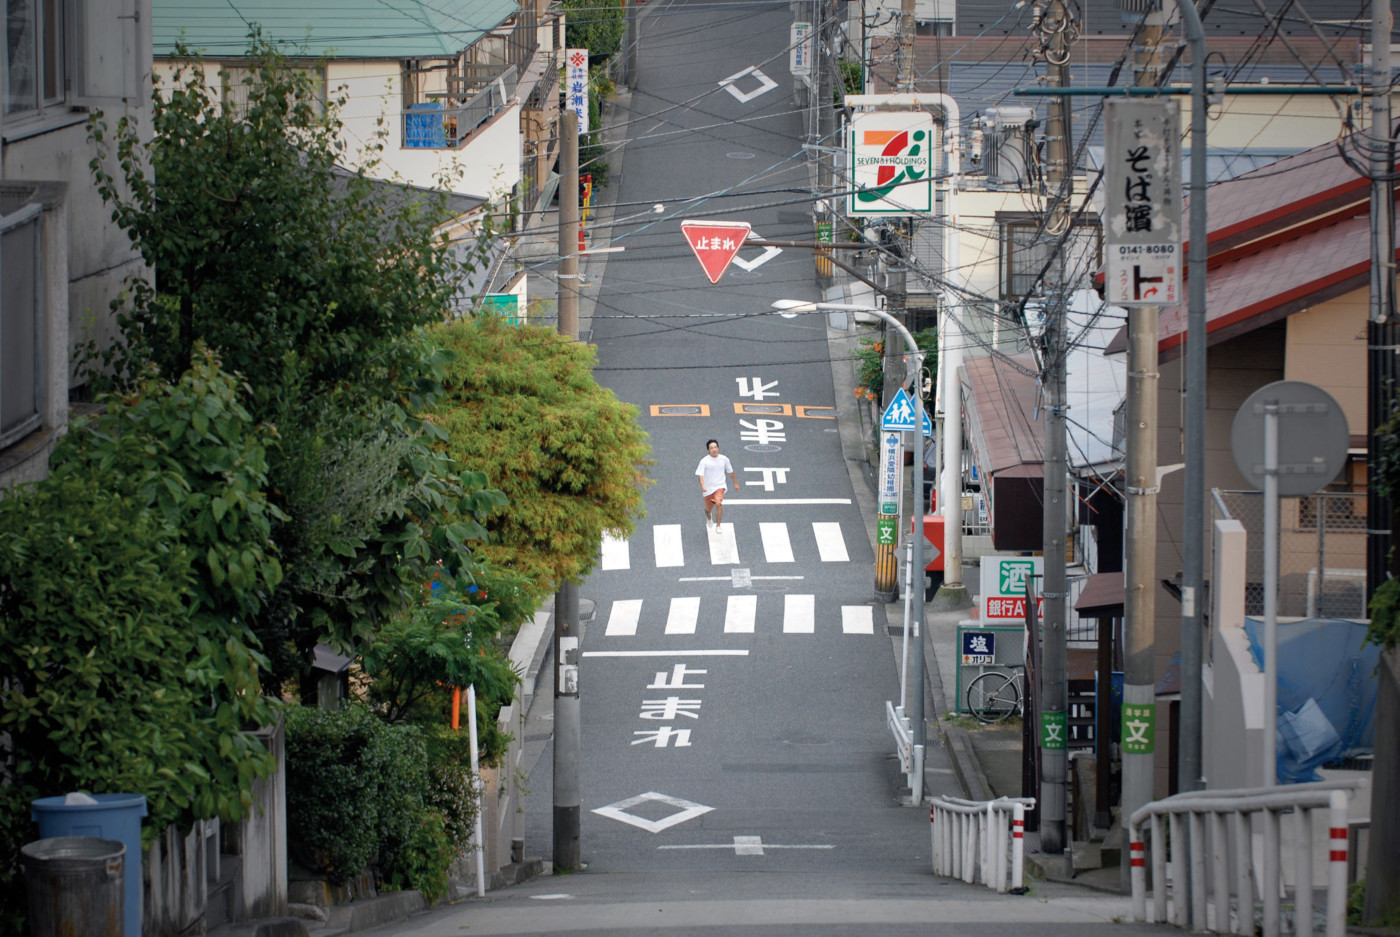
x=522, y=406
x=595, y=25
x=314, y=285
x=127, y=581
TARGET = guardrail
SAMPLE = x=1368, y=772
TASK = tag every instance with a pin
x=983, y=839
x=1213, y=853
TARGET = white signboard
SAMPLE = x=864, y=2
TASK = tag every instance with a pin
x=576, y=85
x=1003, y=595
x=1142, y=203
x=891, y=472
x=891, y=163
x=800, y=49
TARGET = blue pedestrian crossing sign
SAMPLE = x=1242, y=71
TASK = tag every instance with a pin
x=899, y=416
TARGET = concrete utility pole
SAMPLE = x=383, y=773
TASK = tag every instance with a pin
x=567, y=723
x=1140, y=457
x=952, y=594
x=629, y=45
x=1056, y=27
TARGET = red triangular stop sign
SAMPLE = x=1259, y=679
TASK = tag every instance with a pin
x=715, y=243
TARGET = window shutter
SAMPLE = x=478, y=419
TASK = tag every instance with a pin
x=108, y=51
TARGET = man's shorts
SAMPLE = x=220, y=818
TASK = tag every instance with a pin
x=715, y=497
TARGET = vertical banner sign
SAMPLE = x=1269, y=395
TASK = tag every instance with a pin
x=891, y=472
x=1142, y=203
x=1139, y=728
x=891, y=163
x=576, y=85
x=800, y=50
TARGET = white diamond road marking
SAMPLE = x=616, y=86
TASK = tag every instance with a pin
x=857, y=619
x=739, y=614
x=769, y=252
x=622, y=622
x=799, y=614
x=617, y=554
x=668, y=545
x=685, y=612
x=830, y=544
x=777, y=548
x=724, y=549
x=765, y=84
x=687, y=810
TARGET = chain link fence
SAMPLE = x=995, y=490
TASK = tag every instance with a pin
x=1322, y=552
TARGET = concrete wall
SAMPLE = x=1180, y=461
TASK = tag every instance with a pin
x=1233, y=700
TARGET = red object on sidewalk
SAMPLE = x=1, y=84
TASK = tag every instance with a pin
x=933, y=533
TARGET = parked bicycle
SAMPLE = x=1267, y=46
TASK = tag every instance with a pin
x=996, y=694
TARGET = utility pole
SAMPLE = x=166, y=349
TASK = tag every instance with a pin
x=629, y=57
x=1140, y=458
x=1056, y=27
x=567, y=723
x=1383, y=341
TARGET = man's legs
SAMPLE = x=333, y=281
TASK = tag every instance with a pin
x=719, y=507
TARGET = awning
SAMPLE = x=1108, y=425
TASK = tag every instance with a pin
x=1006, y=448
x=1102, y=596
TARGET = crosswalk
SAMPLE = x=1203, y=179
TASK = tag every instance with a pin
x=774, y=540
x=682, y=615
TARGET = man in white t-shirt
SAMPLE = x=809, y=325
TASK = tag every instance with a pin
x=711, y=471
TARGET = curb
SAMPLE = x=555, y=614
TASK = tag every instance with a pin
x=965, y=764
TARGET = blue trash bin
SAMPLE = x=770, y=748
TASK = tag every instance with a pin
x=114, y=816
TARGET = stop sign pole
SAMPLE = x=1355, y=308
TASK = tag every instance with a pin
x=715, y=243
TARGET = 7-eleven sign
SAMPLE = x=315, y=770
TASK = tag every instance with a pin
x=715, y=243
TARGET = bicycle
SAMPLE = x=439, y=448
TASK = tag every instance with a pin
x=994, y=695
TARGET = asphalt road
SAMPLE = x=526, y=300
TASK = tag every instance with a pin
x=737, y=772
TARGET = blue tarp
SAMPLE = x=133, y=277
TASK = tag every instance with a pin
x=1327, y=688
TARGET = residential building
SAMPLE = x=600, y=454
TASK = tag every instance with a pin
x=62, y=259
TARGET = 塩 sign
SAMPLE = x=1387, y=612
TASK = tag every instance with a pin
x=1142, y=203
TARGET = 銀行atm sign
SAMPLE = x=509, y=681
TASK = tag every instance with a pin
x=1004, y=587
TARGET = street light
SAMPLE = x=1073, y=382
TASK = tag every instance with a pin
x=793, y=307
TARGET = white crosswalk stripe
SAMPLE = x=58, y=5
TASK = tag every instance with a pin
x=691, y=614
x=667, y=541
x=623, y=620
x=775, y=537
x=857, y=619
x=617, y=553
x=739, y=614
x=777, y=548
x=831, y=546
x=685, y=612
x=799, y=614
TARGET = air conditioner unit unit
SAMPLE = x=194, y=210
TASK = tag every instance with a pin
x=1008, y=145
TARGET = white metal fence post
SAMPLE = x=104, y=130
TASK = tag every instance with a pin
x=1302, y=873
x=1337, y=865
x=1137, y=861
x=1018, y=846
x=1269, y=884
x=1197, y=825
x=1244, y=885
x=1179, y=856
x=1159, y=870
x=1220, y=866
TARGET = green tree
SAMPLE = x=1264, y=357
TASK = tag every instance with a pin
x=522, y=407
x=595, y=25
x=127, y=580
x=314, y=285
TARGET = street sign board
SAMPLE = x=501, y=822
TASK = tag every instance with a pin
x=886, y=531
x=979, y=647
x=1004, y=587
x=899, y=416
x=1312, y=437
x=715, y=243
x=891, y=472
x=1142, y=202
x=800, y=50
x=576, y=85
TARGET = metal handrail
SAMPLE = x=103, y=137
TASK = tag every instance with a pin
x=1229, y=815
x=971, y=839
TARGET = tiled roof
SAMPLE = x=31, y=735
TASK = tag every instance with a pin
x=354, y=29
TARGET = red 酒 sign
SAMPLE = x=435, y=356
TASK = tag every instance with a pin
x=715, y=243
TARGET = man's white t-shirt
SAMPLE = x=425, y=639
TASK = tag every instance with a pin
x=713, y=469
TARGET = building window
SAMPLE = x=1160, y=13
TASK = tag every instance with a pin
x=21, y=320
x=33, y=54
x=1025, y=251
x=237, y=81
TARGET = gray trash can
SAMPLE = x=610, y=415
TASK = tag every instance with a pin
x=75, y=886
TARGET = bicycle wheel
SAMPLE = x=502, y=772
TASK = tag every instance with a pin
x=993, y=696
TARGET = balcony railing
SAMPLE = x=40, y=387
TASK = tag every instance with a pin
x=432, y=125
